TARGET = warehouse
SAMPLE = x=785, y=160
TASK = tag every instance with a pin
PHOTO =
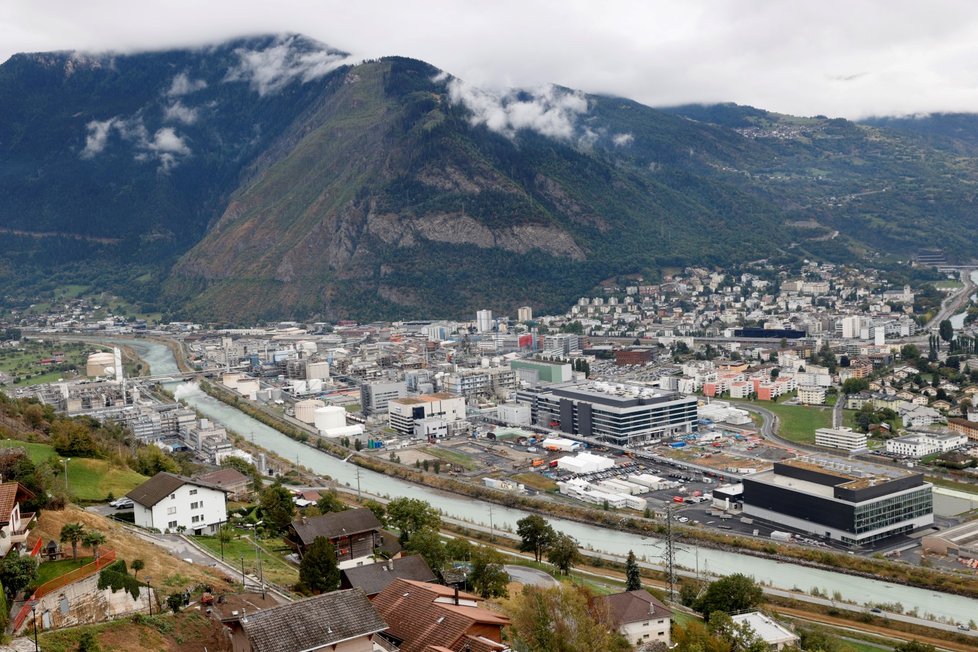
x=856, y=504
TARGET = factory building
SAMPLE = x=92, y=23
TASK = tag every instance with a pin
x=625, y=415
x=404, y=412
x=856, y=503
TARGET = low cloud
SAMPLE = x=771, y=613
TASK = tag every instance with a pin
x=549, y=111
x=271, y=69
x=179, y=112
x=97, y=138
x=183, y=85
x=166, y=146
x=620, y=140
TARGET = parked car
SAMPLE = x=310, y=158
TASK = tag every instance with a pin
x=122, y=503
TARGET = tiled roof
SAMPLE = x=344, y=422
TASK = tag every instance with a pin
x=374, y=578
x=418, y=616
x=335, y=524
x=9, y=492
x=633, y=607
x=225, y=477
x=313, y=623
x=162, y=485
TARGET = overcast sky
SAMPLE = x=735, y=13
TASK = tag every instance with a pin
x=849, y=58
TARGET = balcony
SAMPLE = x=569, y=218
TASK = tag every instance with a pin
x=20, y=535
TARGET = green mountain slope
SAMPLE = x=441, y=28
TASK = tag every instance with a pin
x=271, y=177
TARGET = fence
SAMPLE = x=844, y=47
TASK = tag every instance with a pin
x=106, y=558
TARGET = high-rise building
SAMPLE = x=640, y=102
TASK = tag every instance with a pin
x=524, y=314
x=483, y=320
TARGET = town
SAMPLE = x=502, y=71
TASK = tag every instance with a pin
x=789, y=412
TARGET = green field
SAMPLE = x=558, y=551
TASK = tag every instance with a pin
x=52, y=569
x=275, y=568
x=948, y=285
x=89, y=479
x=452, y=456
x=23, y=364
x=798, y=422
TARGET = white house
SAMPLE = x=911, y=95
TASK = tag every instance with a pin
x=13, y=524
x=774, y=634
x=168, y=501
x=638, y=616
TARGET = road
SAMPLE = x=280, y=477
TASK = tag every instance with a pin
x=954, y=303
x=531, y=576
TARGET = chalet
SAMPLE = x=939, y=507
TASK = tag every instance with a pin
x=13, y=524
x=355, y=533
x=638, y=616
x=424, y=616
x=341, y=621
x=374, y=578
x=170, y=502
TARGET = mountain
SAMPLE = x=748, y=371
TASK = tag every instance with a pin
x=273, y=177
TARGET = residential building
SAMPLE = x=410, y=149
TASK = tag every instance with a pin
x=169, y=502
x=374, y=578
x=424, y=617
x=775, y=635
x=477, y=382
x=638, y=616
x=13, y=524
x=856, y=503
x=921, y=444
x=375, y=396
x=525, y=313
x=811, y=395
x=918, y=416
x=354, y=533
x=404, y=412
x=966, y=427
x=845, y=439
x=340, y=621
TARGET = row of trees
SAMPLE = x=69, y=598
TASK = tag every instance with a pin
x=75, y=533
x=539, y=538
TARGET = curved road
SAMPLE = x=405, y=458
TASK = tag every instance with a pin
x=530, y=576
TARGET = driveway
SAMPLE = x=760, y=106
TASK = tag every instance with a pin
x=529, y=576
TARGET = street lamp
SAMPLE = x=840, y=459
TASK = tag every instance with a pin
x=65, y=463
x=149, y=593
x=34, y=611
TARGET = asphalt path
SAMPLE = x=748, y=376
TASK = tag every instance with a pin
x=530, y=576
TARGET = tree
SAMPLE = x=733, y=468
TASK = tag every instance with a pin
x=855, y=385
x=93, y=540
x=428, y=543
x=909, y=352
x=330, y=502
x=150, y=460
x=561, y=619
x=914, y=646
x=88, y=642
x=174, y=601
x=946, y=330
x=72, y=533
x=17, y=573
x=535, y=534
x=409, y=515
x=458, y=549
x=563, y=553
x=379, y=510
x=488, y=577
x=731, y=594
x=318, y=570
x=277, y=507
x=136, y=566
x=633, y=577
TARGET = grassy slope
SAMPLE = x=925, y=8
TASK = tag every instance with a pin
x=88, y=479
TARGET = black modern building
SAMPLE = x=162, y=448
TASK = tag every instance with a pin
x=856, y=505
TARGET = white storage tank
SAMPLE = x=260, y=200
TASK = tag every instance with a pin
x=305, y=411
x=98, y=364
x=329, y=417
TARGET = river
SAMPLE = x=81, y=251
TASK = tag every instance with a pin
x=778, y=574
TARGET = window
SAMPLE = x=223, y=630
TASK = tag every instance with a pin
x=197, y=519
x=193, y=492
x=171, y=525
x=170, y=511
x=195, y=505
x=173, y=496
